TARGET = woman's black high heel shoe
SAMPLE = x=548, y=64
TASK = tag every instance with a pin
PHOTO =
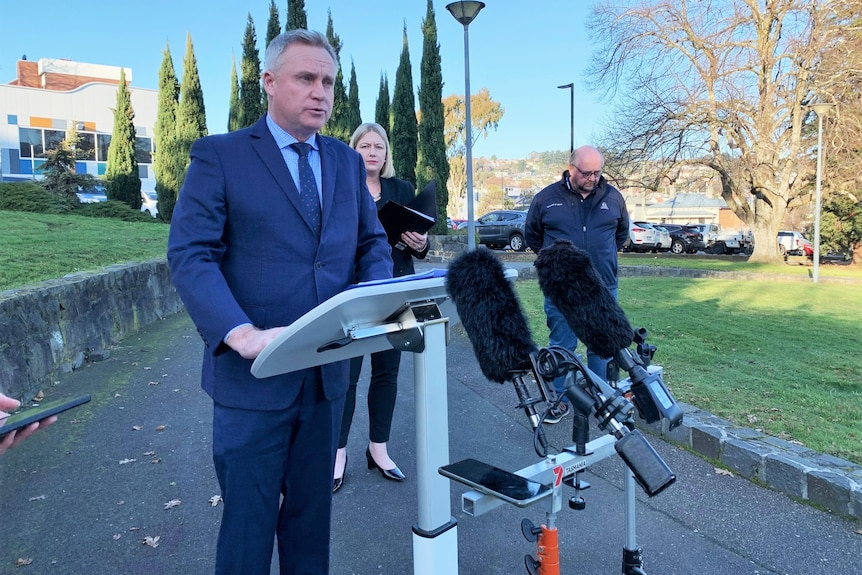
x=339, y=481
x=393, y=474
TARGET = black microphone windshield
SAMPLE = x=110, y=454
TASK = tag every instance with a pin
x=490, y=313
x=568, y=279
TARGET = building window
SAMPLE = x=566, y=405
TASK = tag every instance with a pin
x=54, y=139
x=144, y=150
x=86, y=147
x=31, y=143
x=103, y=142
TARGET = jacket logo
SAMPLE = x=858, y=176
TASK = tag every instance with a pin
x=604, y=206
x=553, y=205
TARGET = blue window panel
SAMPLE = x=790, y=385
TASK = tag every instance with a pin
x=81, y=167
x=12, y=119
x=102, y=168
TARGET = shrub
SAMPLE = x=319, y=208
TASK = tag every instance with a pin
x=114, y=209
x=31, y=197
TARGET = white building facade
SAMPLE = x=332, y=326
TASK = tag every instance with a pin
x=49, y=97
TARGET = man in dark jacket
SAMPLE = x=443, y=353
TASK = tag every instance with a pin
x=583, y=208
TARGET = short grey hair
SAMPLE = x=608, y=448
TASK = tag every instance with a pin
x=388, y=167
x=279, y=44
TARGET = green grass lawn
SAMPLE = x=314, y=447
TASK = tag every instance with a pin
x=782, y=356
x=37, y=247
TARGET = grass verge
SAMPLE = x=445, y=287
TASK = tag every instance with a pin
x=782, y=357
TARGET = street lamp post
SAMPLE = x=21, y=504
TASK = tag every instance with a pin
x=821, y=110
x=466, y=12
x=571, y=88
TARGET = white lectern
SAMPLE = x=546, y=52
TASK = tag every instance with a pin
x=409, y=313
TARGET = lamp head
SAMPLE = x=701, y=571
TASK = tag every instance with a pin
x=465, y=11
x=572, y=85
x=821, y=108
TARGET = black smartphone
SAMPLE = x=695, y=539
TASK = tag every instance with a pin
x=492, y=480
x=26, y=416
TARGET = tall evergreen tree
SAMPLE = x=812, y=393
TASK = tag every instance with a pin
x=167, y=164
x=124, y=183
x=273, y=29
x=273, y=25
x=432, y=161
x=296, y=16
x=404, y=129
x=235, y=105
x=381, y=109
x=249, y=87
x=337, y=126
x=353, y=117
x=191, y=114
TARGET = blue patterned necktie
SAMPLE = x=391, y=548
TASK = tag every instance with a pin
x=308, y=186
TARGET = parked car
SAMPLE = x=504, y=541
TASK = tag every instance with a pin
x=794, y=244
x=92, y=195
x=150, y=202
x=662, y=238
x=684, y=239
x=502, y=228
x=455, y=224
x=720, y=241
x=642, y=238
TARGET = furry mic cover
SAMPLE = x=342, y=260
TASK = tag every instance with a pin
x=490, y=313
x=568, y=279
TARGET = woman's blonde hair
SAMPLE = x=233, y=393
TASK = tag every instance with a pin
x=388, y=167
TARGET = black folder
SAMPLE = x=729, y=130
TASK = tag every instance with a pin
x=417, y=216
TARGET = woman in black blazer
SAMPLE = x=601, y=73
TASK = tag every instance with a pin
x=371, y=142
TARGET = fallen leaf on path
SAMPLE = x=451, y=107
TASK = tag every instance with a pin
x=149, y=453
x=39, y=396
x=151, y=541
x=215, y=500
x=161, y=428
x=172, y=503
x=21, y=562
x=124, y=461
x=117, y=536
x=37, y=498
x=719, y=471
x=137, y=427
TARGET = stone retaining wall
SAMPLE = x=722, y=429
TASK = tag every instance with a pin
x=53, y=327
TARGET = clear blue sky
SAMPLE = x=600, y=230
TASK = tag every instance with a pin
x=520, y=51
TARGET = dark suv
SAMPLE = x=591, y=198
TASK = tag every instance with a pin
x=684, y=239
x=502, y=228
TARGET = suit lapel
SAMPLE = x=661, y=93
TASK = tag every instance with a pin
x=329, y=169
x=266, y=148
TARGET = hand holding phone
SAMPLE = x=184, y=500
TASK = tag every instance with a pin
x=18, y=426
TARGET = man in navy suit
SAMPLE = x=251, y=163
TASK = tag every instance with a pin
x=248, y=258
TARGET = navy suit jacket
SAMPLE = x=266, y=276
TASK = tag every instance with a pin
x=241, y=251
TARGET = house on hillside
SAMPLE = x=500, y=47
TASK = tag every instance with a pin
x=49, y=97
x=693, y=209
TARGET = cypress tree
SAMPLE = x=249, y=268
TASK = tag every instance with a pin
x=235, y=106
x=432, y=164
x=337, y=124
x=121, y=173
x=273, y=25
x=381, y=109
x=249, y=87
x=404, y=129
x=354, y=116
x=167, y=164
x=191, y=114
x=296, y=16
x=273, y=29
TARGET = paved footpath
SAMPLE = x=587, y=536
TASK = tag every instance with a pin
x=82, y=496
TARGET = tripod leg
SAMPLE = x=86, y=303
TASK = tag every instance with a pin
x=632, y=554
x=548, y=551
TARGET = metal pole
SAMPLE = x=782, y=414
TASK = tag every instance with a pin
x=471, y=222
x=816, y=271
x=571, y=88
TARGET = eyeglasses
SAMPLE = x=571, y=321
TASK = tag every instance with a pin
x=596, y=174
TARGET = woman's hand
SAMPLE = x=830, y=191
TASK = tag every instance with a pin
x=414, y=241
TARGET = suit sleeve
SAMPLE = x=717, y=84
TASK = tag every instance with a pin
x=196, y=248
x=534, y=234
